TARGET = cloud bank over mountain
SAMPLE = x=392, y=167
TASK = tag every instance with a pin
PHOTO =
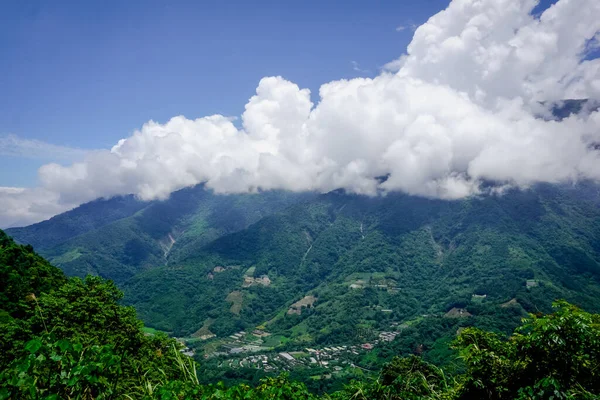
x=468, y=103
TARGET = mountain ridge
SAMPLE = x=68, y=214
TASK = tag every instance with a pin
x=141, y=235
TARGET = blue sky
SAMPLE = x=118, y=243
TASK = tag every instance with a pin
x=85, y=74
x=76, y=77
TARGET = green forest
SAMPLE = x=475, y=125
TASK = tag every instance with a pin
x=410, y=255
x=328, y=291
x=70, y=338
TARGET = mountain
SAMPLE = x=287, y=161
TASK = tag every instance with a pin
x=339, y=268
x=85, y=218
x=69, y=338
x=116, y=238
x=494, y=257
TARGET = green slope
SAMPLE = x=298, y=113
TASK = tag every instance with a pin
x=410, y=255
x=370, y=262
x=147, y=234
x=85, y=218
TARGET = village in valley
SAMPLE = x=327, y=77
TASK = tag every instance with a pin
x=262, y=350
x=251, y=355
x=249, y=350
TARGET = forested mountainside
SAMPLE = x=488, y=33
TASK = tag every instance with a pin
x=85, y=218
x=323, y=271
x=69, y=338
x=358, y=255
x=119, y=237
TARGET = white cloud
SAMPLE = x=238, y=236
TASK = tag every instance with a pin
x=459, y=109
x=410, y=26
x=356, y=67
x=395, y=65
x=21, y=206
x=13, y=145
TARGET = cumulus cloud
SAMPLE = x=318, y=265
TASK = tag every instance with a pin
x=22, y=206
x=461, y=107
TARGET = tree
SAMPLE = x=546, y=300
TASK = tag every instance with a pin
x=551, y=355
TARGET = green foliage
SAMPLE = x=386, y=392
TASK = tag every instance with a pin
x=60, y=369
x=403, y=378
x=23, y=272
x=62, y=336
x=554, y=355
x=280, y=388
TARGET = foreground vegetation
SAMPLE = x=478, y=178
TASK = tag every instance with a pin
x=70, y=339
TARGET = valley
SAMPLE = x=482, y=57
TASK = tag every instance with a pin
x=336, y=270
x=63, y=327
